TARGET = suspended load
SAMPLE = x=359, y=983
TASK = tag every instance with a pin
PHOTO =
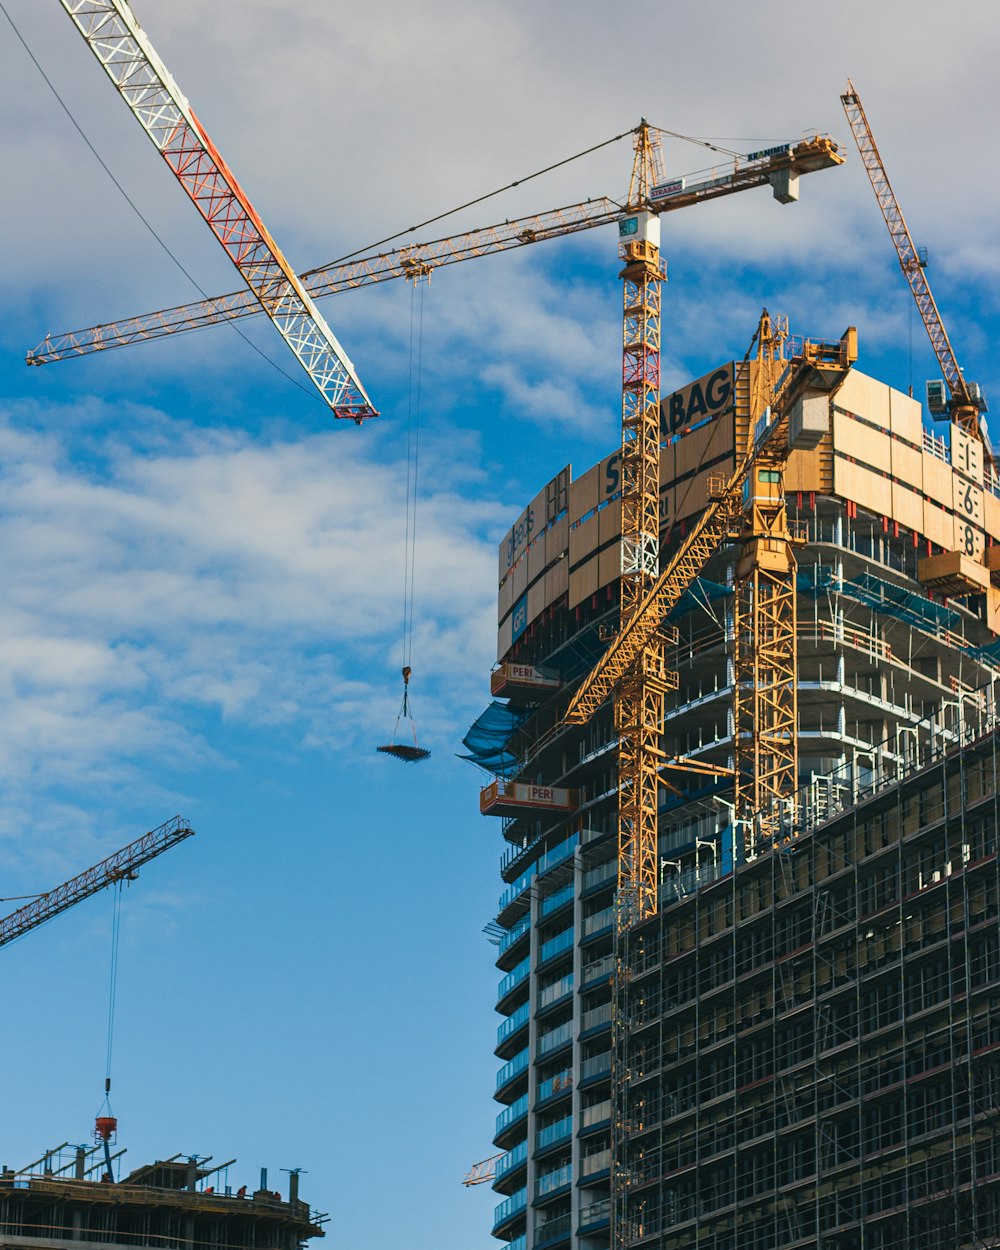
x=402, y=750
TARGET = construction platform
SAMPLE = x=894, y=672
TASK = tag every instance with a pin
x=162, y=1204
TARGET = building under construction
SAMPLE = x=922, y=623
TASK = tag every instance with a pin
x=804, y=1031
x=67, y=1198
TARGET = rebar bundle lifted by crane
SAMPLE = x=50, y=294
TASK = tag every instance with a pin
x=402, y=750
x=123, y=865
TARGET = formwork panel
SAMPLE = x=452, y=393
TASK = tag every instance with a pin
x=991, y=515
x=804, y=469
x=906, y=464
x=939, y=525
x=609, y=565
x=865, y=396
x=504, y=638
x=536, y=599
x=536, y=557
x=556, y=581
x=582, y=583
x=583, y=542
x=936, y=479
x=505, y=597
x=583, y=493
x=557, y=538
x=519, y=578
x=905, y=417
x=907, y=507
x=860, y=485
x=609, y=522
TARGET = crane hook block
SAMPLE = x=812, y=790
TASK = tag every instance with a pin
x=402, y=750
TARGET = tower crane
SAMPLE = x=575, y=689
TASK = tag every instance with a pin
x=780, y=167
x=747, y=509
x=640, y=685
x=144, y=83
x=966, y=403
x=123, y=865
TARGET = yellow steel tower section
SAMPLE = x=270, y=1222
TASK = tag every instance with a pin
x=764, y=622
x=639, y=707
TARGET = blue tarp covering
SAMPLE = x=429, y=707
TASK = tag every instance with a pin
x=815, y=580
x=488, y=737
x=990, y=654
x=904, y=605
x=698, y=594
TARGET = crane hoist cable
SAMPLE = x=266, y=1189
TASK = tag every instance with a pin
x=404, y=751
x=105, y=1124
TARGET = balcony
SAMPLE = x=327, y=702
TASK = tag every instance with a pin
x=513, y=1022
x=555, y=992
x=595, y=1067
x=598, y=969
x=510, y=1071
x=556, y=1085
x=596, y=1018
x=549, y=860
x=510, y=1115
x=600, y=1161
x=511, y=798
x=596, y=1213
x=554, y=1039
x=599, y=921
x=515, y=934
x=596, y=1113
x=513, y=979
x=511, y=1160
x=557, y=900
x=506, y=1210
x=555, y=946
x=551, y=1181
x=547, y=1232
x=562, y=1130
x=603, y=874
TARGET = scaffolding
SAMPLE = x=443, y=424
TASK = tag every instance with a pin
x=814, y=1044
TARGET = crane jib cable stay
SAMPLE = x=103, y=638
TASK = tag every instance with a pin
x=400, y=750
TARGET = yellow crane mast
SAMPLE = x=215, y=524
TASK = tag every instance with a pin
x=639, y=708
x=794, y=381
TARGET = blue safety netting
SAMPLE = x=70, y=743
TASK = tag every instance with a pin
x=905, y=605
x=699, y=594
x=488, y=737
x=815, y=580
x=990, y=654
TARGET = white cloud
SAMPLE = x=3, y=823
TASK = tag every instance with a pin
x=258, y=582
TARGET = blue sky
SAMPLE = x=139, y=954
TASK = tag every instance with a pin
x=203, y=580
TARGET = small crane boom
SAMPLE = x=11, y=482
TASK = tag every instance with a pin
x=122, y=865
x=818, y=152
x=966, y=400
x=130, y=61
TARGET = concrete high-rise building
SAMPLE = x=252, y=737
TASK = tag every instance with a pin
x=779, y=1009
